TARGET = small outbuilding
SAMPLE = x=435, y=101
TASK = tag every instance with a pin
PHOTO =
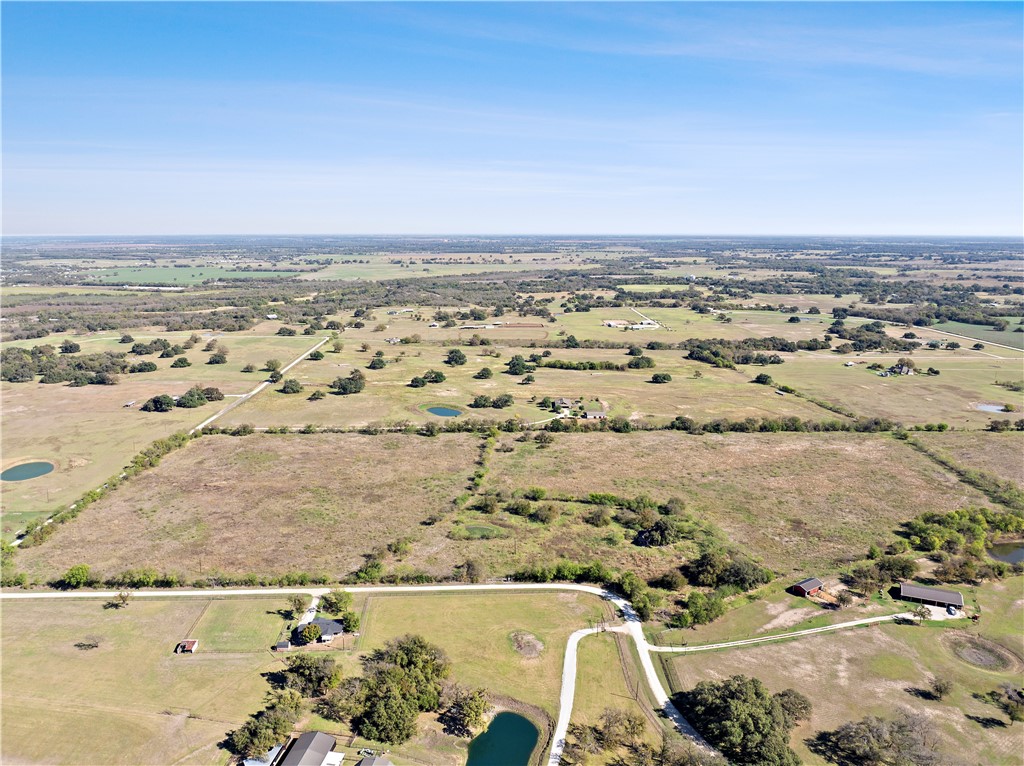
x=807, y=587
x=932, y=596
x=375, y=760
x=283, y=646
x=188, y=646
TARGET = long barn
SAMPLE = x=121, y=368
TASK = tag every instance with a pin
x=933, y=596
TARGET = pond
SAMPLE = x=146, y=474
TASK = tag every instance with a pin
x=508, y=741
x=1011, y=553
x=26, y=471
x=989, y=407
x=444, y=412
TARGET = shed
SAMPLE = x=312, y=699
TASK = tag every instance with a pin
x=807, y=587
x=594, y=414
x=188, y=646
x=310, y=749
x=933, y=596
x=283, y=646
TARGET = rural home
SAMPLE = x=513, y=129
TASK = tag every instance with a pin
x=932, y=596
x=314, y=748
x=188, y=646
x=563, y=403
x=807, y=587
x=329, y=629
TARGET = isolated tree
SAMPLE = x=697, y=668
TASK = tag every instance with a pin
x=417, y=382
x=217, y=359
x=316, y=356
x=338, y=346
x=297, y=605
x=181, y=362
x=69, y=347
x=287, y=331
x=377, y=363
x=271, y=365
x=484, y=374
x=317, y=396
x=661, y=377
x=160, y=403
x=336, y=601
x=455, y=357
x=940, y=687
x=764, y=379
x=291, y=386
x=310, y=633
x=126, y=338
x=248, y=368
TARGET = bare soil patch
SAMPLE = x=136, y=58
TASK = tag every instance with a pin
x=527, y=644
x=982, y=653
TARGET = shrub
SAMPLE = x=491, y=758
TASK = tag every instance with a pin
x=182, y=362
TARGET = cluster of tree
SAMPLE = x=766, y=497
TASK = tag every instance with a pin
x=21, y=365
x=155, y=345
x=1001, y=426
x=455, y=358
x=544, y=513
x=717, y=568
x=966, y=530
x=498, y=402
x=464, y=710
x=339, y=604
x=400, y=681
x=909, y=738
x=196, y=396
x=566, y=571
x=782, y=424
x=430, y=376
x=615, y=729
x=270, y=726
x=353, y=384
x=884, y=570
x=562, y=364
x=661, y=377
x=745, y=722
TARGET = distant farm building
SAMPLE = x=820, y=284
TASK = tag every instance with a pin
x=596, y=413
x=283, y=646
x=375, y=760
x=563, y=403
x=932, y=596
x=271, y=316
x=188, y=646
x=808, y=587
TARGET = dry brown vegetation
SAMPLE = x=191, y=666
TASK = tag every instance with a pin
x=794, y=500
x=1001, y=455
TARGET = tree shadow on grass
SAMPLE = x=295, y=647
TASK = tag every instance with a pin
x=987, y=722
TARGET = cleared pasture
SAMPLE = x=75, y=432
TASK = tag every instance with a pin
x=798, y=502
x=875, y=671
x=1001, y=455
x=169, y=275
x=128, y=700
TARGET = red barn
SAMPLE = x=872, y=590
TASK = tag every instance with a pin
x=807, y=587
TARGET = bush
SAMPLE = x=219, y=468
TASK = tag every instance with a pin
x=291, y=386
x=286, y=331
x=76, y=577
x=181, y=362
x=661, y=377
x=217, y=359
x=160, y=403
x=484, y=374
x=143, y=367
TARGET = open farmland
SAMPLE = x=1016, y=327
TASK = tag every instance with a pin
x=266, y=504
x=388, y=398
x=168, y=275
x=1001, y=455
x=89, y=433
x=796, y=501
x=875, y=671
x=129, y=699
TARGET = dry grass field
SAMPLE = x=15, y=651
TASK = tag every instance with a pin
x=1001, y=455
x=796, y=501
x=265, y=504
x=270, y=504
x=874, y=671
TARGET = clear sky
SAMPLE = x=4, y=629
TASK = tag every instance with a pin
x=591, y=118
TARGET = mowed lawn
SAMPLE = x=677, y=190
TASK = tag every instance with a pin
x=475, y=629
x=795, y=501
x=130, y=700
x=265, y=504
x=874, y=671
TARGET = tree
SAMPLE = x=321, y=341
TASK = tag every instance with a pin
x=921, y=613
x=126, y=338
x=336, y=601
x=417, y=382
x=288, y=331
x=377, y=363
x=338, y=346
x=297, y=605
x=742, y=720
x=310, y=633
x=160, y=403
x=349, y=621
x=291, y=386
x=69, y=347
x=908, y=740
x=661, y=377
x=353, y=384
x=312, y=675
x=764, y=379
x=316, y=356
x=940, y=687
x=434, y=376
x=844, y=598
x=248, y=368
x=473, y=570
x=143, y=367
x=317, y=395
x=192, y=398
x=76, y=577
x=272, y=365
x=465, y=712
x=217, y=359
x=484, y=374
x=455, y=357
x=795, y=706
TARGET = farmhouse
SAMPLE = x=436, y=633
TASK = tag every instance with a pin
x=807, y=587
x=188, y=646
x=328, y=628
x=932, y=596
x=314, y=748
x=563, y=403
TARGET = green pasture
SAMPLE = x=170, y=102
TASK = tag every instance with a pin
x=169, y=275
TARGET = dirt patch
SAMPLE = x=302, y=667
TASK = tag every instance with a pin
x=982, y=653
x=787, y=619
x=527, y=644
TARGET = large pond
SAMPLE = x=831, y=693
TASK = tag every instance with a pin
x=508, y=741
x=26, y=471
x=1011, y=553
x=444, y=412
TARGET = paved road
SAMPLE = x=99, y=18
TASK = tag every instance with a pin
x=631, y=626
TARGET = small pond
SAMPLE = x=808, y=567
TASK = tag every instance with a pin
x=989, y=407
x=26, y=471
x=444, y=412
x=508, y=741
x=1011, y=553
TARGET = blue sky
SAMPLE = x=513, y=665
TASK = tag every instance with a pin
x=593, y=118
